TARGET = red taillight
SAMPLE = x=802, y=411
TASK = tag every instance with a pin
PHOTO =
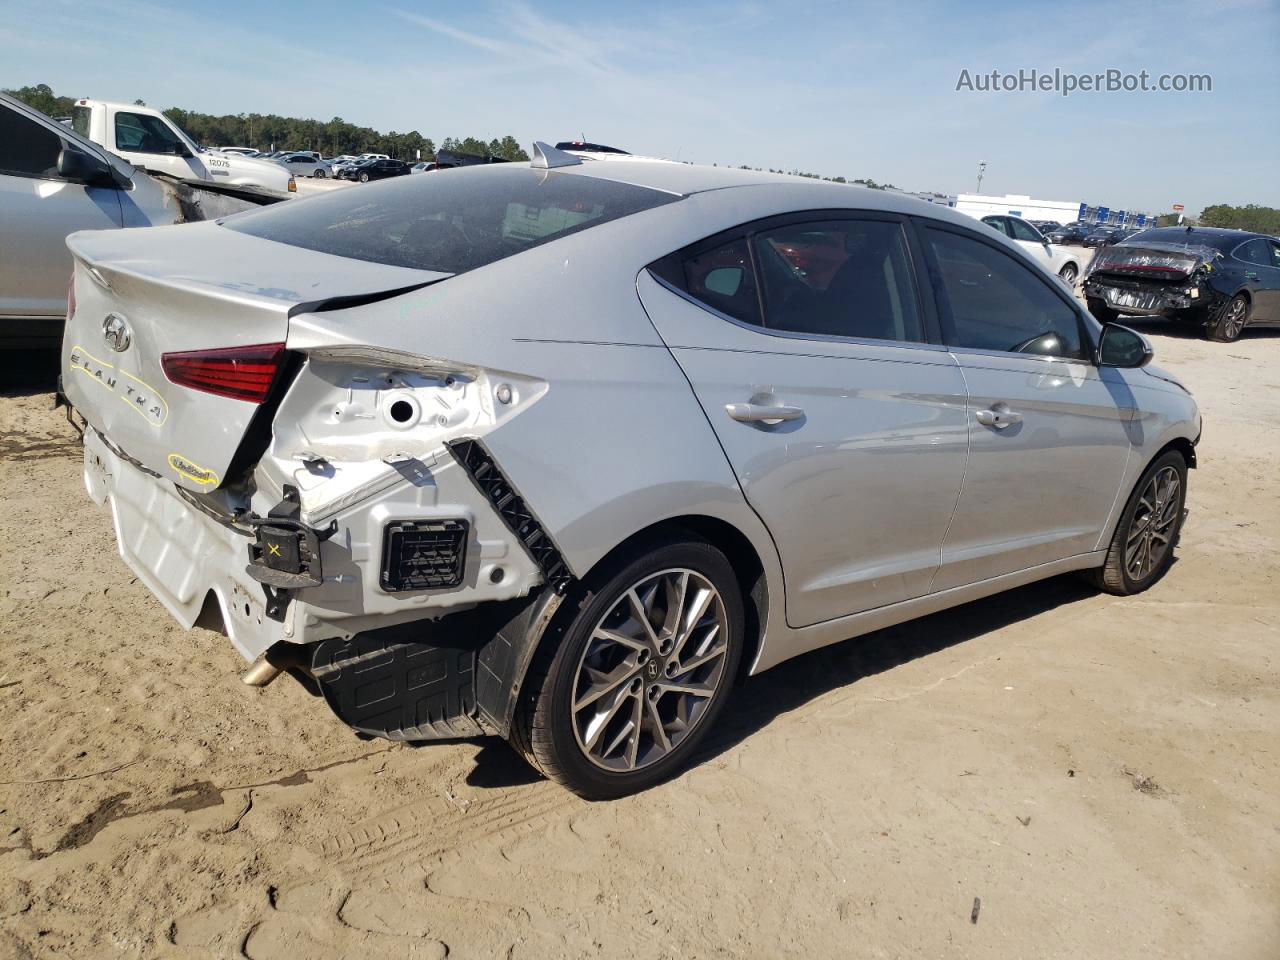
x=242, y=373
x=71, y=298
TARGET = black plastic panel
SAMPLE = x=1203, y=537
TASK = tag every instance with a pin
x=423, y=554
x=515, y=513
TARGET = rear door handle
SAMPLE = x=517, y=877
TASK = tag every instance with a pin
x=998, y=418
x=761, y=413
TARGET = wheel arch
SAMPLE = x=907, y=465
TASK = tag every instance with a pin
x=747, y=564
x=540, y=622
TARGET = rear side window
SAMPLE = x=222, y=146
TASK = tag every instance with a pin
x=839, y=278
x=452, y=223
x=27, y=149
x=722, y=278
x=996, y=303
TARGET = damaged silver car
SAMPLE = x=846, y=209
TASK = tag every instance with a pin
x=561, y=451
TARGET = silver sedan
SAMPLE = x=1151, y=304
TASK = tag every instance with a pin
x=561, y=451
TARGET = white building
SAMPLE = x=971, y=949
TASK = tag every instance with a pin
x=1016, y=205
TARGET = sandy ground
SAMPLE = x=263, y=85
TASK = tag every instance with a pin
x=1103, y=774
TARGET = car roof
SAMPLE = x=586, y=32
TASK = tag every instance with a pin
x=1220, y=237
x=687, y=179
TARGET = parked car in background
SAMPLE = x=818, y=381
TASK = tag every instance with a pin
x=710, y=460
x=146, y=138
x=243, y=151
x=423, y=166
x=1070, y=233
x=1221, y=280
x=54, y=182
x=1059, y=260
x=371, y=169
x=305, y=165
x=1104, y=236
x=1045, y=226
x=374, y=156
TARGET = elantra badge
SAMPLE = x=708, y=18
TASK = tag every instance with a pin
x=116, y=333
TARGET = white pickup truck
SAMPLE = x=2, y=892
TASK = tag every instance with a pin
x=148, y=139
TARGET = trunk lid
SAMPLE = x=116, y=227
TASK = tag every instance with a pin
x=1173, y=263
x=141, y=294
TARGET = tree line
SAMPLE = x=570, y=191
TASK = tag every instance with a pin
x=1249, y=217
x=272, y=132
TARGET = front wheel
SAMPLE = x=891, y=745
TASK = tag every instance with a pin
x=364, y=178
x=1069, y=273
x=643, y=668
x=1231, y=321
x=319, y=174
x=1141, y=549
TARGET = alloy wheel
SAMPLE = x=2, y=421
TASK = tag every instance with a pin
x=1154, y=521
x=1234, y=323
x=651, y=667
x=1069, y=275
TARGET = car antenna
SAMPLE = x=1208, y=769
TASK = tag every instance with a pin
x=546, y=156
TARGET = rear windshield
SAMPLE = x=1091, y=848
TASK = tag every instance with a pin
x=451, y=221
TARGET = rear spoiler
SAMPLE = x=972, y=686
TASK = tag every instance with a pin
x=207, y=200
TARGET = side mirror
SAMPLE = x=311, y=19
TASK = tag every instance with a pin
x=79, y=167
x=1121, y=347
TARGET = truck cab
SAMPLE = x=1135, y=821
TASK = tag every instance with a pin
x=146, y=138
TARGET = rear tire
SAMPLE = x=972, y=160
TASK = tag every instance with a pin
x=1142, y=546
x=611, y=709
x=1231, y=320
x=1101, y=312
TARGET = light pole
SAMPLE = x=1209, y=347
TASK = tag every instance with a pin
x=982, y=166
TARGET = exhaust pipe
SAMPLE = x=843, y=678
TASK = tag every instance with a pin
x=276, y=659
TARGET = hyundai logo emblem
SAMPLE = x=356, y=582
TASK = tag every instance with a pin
x=115, y=331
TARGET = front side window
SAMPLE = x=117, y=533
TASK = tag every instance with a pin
x=1024, y=231
x=143, y=133
x=27, y=149
x=839, y=278
x=998, y=223
x=997, y=303
x=449, y=224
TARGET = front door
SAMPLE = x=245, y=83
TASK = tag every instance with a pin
x=40, y=209
x=1049, y=431
x=150, y=143
x=805, y=343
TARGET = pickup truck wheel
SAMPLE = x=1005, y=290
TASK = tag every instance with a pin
x=1069, y=273
x=1101, y=312
x=643, y=668
x=1141, y=549
x=1231, y=320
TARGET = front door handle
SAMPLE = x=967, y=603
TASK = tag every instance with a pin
x=998, y=417
x=761, y=412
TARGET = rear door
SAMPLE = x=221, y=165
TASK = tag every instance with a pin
x=1048, y=431
x=806, y=340
x=38, y=208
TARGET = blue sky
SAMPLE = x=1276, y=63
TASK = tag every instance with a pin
x=849, y=88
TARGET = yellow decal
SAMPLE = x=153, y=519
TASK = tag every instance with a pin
x=206, y=478
x=140, y=397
